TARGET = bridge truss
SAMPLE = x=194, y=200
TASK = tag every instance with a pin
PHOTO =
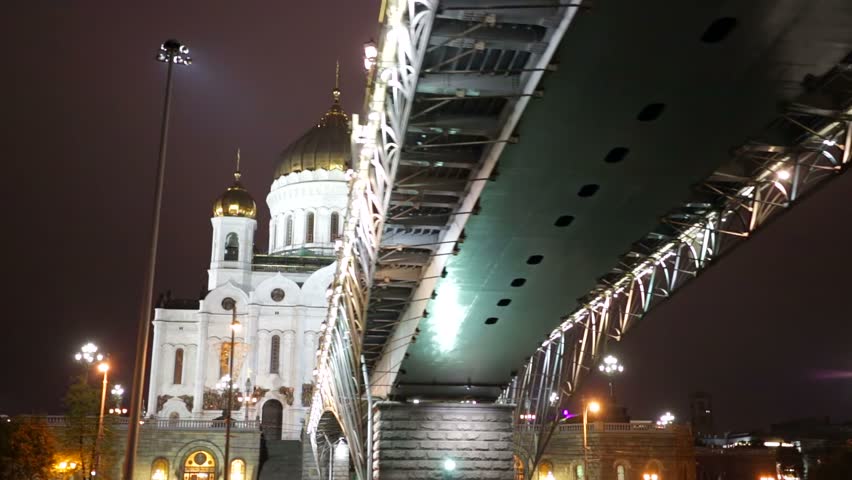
x=448, y=87
x=761, y=181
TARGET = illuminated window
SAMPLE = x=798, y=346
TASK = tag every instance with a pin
x=309, y=228
x=335, y=226
x=160, y=469
x=177, y=376
x=274, y=354
x=199, y=465
x=288, y=232
x=224, y=359
x=580, y=472
x=232, y=247
x=620, y=473
x=238, y=469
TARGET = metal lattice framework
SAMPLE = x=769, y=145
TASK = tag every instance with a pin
x=376, y=146
x=762, y=181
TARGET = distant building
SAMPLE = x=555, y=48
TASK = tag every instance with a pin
x=701, y=413
x=748, y=456
x=618, y=451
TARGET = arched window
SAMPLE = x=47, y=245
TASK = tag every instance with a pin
x=177, y=376
x=224, y=359
x=334, y=227
x=274, y=353
x=309, y=227
x=620, y=472
x=238, y=469
x=160, y=469
x=288, y=233
x=580, y=472
x=232, y=247
x=198, y=465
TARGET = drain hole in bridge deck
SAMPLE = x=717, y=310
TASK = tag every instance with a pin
x=519, y=282
x=719, y=30
x=616, y=155
x=535, y=259
x=564, y=221
x=504, y=302
x=588, y=190
x=651, y=112
x=491, y=320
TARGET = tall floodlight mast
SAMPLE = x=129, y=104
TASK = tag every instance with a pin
x=171, y=53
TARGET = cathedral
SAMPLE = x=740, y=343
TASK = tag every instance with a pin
x=273, y=303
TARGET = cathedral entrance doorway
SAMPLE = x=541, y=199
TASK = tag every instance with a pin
x=272, y=419
x=199, y=465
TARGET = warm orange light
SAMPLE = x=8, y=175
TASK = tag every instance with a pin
x=594, y=407
x=103, y=367
x=650, y=476
x=235, y=326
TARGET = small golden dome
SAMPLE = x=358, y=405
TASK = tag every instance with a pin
x=325, y=146
x=236, y=201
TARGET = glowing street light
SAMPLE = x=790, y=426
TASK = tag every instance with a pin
x=650, y=476
x=103, y=367
x=88, y=354
x=594, y=407
x=449, y=464
x=783, y=174
x=172, y=53
x=611, y=367
x=666, y=419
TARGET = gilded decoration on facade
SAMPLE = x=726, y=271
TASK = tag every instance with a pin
x=307, y=394
x=287, y=393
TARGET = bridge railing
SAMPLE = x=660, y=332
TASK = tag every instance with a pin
x=162, y=424
x=607, y=427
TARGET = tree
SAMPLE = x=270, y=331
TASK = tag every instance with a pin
x=32, y=448
x=81, y=429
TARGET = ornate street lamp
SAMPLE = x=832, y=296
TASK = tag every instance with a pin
x=172, y=53
x=611, y=367
x=248, y=398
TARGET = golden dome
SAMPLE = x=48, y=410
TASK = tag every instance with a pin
x=325, y=146
x=236, y=201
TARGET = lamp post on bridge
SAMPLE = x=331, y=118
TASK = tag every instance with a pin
x=611, y=367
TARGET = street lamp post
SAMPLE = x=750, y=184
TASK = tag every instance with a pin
x=103, y=368
x=172, y=53
x=230, y=304
x=593, y=407
x=611, y=367
x=248, y=398
x=88, y=355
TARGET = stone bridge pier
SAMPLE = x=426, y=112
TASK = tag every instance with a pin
x=442, y=441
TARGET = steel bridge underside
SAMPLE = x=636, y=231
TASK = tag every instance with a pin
x=640, y=104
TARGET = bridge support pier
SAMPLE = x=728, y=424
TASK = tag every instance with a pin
x=442, y=441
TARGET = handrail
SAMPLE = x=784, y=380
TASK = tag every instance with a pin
x=163, y=423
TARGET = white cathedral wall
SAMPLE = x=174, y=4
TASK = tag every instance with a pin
x=296, y=319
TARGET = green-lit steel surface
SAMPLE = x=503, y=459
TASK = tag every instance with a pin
x=614, y=60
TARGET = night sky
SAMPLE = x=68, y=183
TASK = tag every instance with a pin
x=767, y=331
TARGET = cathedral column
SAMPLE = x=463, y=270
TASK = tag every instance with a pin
x=288, y=369
x=154, y=375
x=251, y=345
x=200, y=366
x=310, y=356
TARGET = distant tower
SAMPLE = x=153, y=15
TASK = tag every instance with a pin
x=234, y=224
x=701, y=413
